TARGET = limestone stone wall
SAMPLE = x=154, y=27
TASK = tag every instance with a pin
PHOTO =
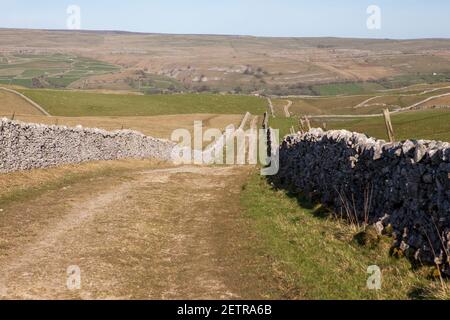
x=402, y=188
x=26, y=146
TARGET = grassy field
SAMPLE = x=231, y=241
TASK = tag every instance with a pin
x=429, y=124
x=383, y=84
x=155, y=126
x=12, y=104
x=55, y=70
x=114, y=111
x=284, y=125
x=78, y=104
x=317, y=254
x=350, y=104
x=160, y=126
x=346, y=88
x=320, y=106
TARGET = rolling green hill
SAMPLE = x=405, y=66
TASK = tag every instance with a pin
x=79, y=104
x=428, y=124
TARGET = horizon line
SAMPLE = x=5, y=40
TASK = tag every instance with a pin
x=219, y=34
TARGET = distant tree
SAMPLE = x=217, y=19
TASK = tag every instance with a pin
x=203, y=88
x=238, y=90
x=153, y=91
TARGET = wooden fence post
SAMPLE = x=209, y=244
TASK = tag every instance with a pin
x=269, y=142
x=389, y=127
x=265, y=121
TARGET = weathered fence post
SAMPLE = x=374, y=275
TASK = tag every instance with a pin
x=269, y=142
x=266, y=128
x=265, y=124
x=389, y=127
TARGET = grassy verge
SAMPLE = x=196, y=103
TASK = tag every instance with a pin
x=80, y=104
x=318, y=254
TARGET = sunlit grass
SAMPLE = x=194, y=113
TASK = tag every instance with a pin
x=319, y=255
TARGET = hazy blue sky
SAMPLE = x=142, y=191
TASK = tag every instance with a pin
x=342, y=18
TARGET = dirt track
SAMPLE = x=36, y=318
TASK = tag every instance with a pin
x=170, y=233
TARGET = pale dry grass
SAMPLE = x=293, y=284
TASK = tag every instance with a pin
x=156, y=126
x=12, y=184
x=443, y=101
x=11, y=103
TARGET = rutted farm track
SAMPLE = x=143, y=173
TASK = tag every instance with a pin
x=163, y=233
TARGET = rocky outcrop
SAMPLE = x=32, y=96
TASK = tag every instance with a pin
x=26, y=146
x=402, y=188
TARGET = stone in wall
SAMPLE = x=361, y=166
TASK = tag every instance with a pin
x=25, y=146
x=403, y=187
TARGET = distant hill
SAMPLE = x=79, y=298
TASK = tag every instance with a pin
x=234, y=63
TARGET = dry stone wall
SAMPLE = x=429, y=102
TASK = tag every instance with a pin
x=403, y=188
x=26, y=146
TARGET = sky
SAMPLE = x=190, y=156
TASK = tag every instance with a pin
x=398, y=19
